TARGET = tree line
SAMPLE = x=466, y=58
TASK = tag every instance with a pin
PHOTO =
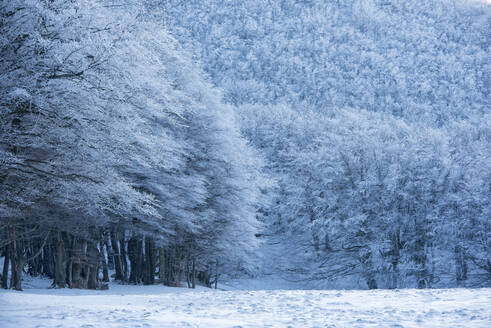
x=116, y=153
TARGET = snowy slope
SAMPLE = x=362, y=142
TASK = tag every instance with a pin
x=159, y=306
x=415, y=62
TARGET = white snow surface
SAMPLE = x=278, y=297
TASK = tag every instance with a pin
x=159, y=306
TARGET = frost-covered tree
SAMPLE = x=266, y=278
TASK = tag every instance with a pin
x=370, y=196
x=61, y=141
x=466, y=233
x=114, y=145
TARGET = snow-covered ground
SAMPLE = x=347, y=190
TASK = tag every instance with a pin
x=159, y=306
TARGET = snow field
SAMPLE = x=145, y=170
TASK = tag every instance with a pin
x=159, y=306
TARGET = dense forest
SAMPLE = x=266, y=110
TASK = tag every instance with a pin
x=168, y=141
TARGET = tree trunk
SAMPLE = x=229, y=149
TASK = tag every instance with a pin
x=16, y=272
x=162, y=270
x=420, y=248
x=136, y=259
x=216, y=275
x=372, y=283
x=17, y=278
x=171, y=270
x=180, y=270
x=71, y=241
x=193, y=274
x=35, y=262
x=79, y=265
x=188, y=273
x=395, y=258
x=16, y=265
x=105, y=271
x=205, y=277
x=60, y=263
x=124, y=260
x=460, y=266
x=5, y=272
x=110, y=254
x=47, y=261
x=93, y=265
x=149, y=275
x=116, y=257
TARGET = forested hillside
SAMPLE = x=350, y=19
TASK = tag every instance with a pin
x=374, y=118
x=344, y=142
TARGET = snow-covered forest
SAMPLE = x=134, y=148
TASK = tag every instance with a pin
x=341, y=143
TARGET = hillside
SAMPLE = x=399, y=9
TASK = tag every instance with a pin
x=373, y=117
x=335, y=144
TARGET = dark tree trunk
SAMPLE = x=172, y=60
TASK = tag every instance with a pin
x=110, y=255
x=193, y=274
x=372, y=283
x=149, y=275
x=124, y=260
x=105, y=271
x=5, y=272
x=60, y=262
x=71, y=241
x=140, y=260
x=13, y=262
x=188, y=273
x=132, y=257
x=216, y=275
x=205, y=277
x=47, y=261
x=16, y=272
x=136, y=259
x=16, y=264
x=171, y=268
x=79, y=265
x=76, y=267
x=93, y=257
x=162, y=266
x=460, y=266
x=180, y=271
x=395, y=258
x=35, y=262
x=420, y=252
x=116, y=257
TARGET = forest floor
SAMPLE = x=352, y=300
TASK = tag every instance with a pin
x=159, y=306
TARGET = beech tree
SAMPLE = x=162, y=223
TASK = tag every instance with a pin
x=114, y=148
